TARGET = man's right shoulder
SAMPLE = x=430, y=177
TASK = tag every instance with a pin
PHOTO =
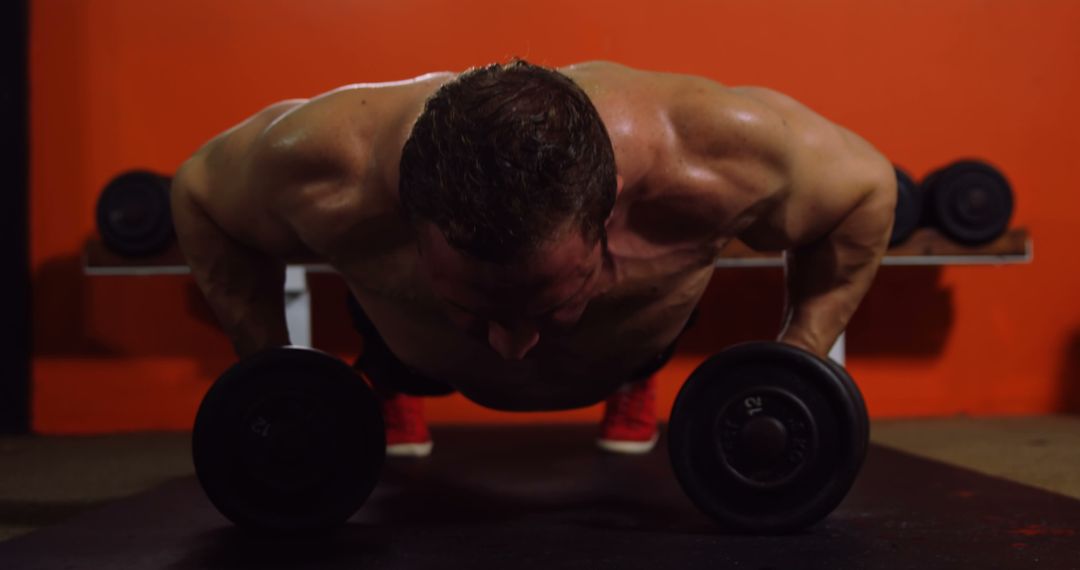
x=339, y=133
x=332, y=162
x=301, y=170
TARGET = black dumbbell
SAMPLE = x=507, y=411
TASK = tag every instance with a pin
x=767, y=438
x=134, y=217
x=909, y=207
x=970, y=201
x=288, y=440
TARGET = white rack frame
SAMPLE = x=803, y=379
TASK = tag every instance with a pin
x=298, y=296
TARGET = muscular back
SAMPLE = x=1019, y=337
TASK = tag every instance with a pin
x=316, y=181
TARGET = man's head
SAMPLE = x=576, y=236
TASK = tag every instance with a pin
x=508, y=177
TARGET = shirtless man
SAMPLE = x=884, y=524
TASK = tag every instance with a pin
x=535, y=239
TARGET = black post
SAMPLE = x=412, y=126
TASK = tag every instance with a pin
x=14, y=211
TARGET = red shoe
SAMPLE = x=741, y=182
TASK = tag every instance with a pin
x=406, y=431
x=629, y=424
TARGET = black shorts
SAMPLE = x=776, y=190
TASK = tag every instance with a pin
x=387, y=373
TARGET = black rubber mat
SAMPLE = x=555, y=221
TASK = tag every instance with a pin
x=511, y=498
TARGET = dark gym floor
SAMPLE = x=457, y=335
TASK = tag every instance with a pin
x=541, y=496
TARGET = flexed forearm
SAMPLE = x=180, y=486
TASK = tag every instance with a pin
x=244, y=287
x=827, y=279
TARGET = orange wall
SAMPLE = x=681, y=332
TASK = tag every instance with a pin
x=124, y=83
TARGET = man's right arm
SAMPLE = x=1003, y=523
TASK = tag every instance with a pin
x=223, y=202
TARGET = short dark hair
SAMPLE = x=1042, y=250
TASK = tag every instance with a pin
x=504, y=158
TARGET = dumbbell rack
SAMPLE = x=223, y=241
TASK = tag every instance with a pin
x=925, y=247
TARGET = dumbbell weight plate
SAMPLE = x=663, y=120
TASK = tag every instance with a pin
x=288, y=440
x=134, y=216
x=909, y=208
x=767, y=438
x=970, y=201
x=862, y=439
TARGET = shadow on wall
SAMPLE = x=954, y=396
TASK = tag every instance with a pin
x=906, y=312
x=1070, y=375
x=83, y=316
x=60, y=312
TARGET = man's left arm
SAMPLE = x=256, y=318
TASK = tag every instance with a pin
x=787, y=179
x=832, y=214
x=827, y=278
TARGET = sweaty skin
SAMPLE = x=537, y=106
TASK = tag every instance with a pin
x=699, y=164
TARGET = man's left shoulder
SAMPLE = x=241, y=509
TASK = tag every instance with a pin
x=699, y=111
x=596, y=67
x=606, y=79
x=618, y=77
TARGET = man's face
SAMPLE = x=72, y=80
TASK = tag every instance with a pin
x=509, y=307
